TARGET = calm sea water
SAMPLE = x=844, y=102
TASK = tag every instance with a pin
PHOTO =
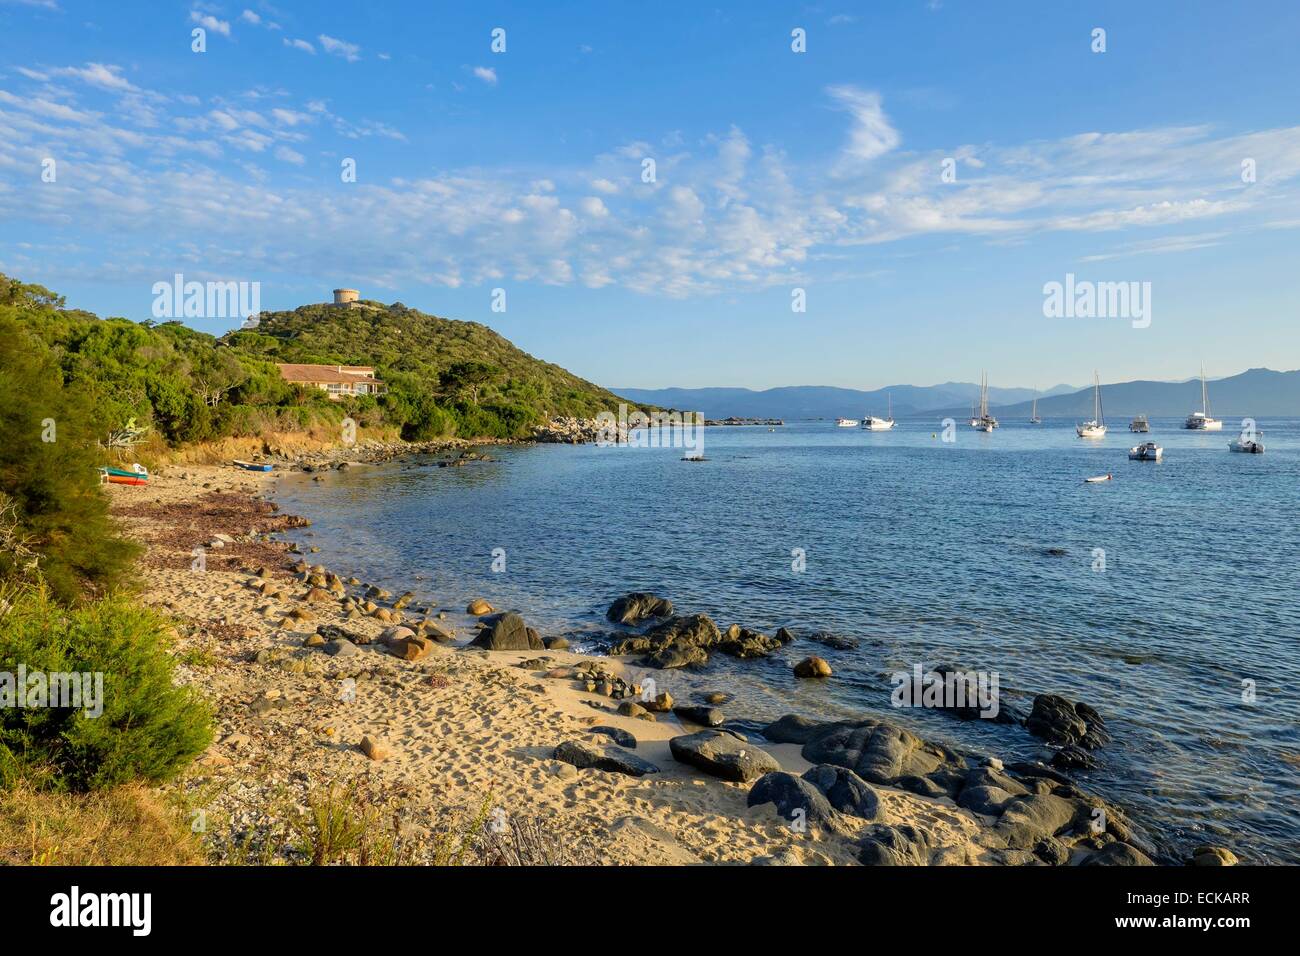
x=982, y=553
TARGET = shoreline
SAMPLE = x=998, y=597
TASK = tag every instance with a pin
x=463, y=729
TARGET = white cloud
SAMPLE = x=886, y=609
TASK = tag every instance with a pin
x=248, y=16
x=209, y=22
x=300, y=45
x=104, y=76
x=486, y=74
x=871, y=134
x=289, y=155
x=604, y=186
x=349, y=51
x=592, y=206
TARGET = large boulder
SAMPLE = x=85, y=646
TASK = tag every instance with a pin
x=745, y=643
x=677, y=642
x=845, y=790
x=876, y=751
x=704, y=716
x=894, y=846
x=585, y=755
x=637, y=606
x=792, y=729
x=1026, y=820
x=1118, y=854
x=723, y=755
x=812, y=667
x=795, y=799
x=1061, y=723
x=506, y=632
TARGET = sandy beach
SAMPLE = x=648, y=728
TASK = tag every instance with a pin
x=459, y=734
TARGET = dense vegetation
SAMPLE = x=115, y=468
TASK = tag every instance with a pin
x=444, y=377
x=134, y=725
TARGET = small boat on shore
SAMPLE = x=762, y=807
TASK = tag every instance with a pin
x=1140, y=425
x=1147, y=451
x=137, y=475
x=1098, y=478
x=252, y=465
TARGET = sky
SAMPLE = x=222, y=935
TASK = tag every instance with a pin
x=916, y=172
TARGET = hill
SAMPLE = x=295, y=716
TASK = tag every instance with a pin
x=1255, y=393
x=818, y=401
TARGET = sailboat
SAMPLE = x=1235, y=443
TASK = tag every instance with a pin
x=1033, y=412
x=985, y=422
x=872, y=423
x=1201, y=421
x=1097, y=427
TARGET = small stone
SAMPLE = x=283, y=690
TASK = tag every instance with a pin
x=478, y=607
x=661, y=704
x=375, y=749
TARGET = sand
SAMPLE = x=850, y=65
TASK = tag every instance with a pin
x=462, y=727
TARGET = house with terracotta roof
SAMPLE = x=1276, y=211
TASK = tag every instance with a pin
x=336, y=380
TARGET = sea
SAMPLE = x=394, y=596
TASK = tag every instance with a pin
x=1166, y=598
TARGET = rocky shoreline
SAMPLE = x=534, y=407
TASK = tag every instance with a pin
x=433, y=713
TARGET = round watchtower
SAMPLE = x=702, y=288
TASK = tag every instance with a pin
x=346, y=296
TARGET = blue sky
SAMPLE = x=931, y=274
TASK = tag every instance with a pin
x=775, y=170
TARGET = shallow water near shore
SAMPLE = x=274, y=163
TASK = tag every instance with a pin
x=980, y=553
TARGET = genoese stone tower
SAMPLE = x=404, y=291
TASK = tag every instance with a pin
x=346, y=297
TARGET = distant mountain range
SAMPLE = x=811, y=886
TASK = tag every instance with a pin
x=1256, y=392
x=821, y=401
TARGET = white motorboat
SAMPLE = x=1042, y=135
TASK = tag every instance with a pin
x=1098, y=478
x=1201, y=421
x=1147, y=451
x=847, y=422
x=1097, y=427
x=872, y=423
x=1248, y=441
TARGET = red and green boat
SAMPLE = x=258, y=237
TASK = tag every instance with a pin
x=138, y=475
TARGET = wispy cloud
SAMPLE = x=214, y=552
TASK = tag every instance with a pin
x=302, y=45
x=209, y=22
x=486, y=74
x=871, y=134
x=349, y=51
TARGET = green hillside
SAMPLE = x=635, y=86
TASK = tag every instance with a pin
x=179, y=386
x=441, y=372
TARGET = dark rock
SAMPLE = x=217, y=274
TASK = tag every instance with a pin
x=585, y=755
x=836, y=642
x=505, y=632
x=1118, y=854
x=556, y=643
x=989, y=801
x=636, y=607
x=677, y=642
x=814, y=667
x=723, y=755
x=894, y=846
x=877, y=751
x=791, y=795
x=747, y=644
x=845, y=790
x=1052, y=851
x=1062, y=723
x=792, y=729
x=618, y=735
x=1026, y=769
x=704, y=716
x=1026, y=820
x=1073, y=758
x=921, y=786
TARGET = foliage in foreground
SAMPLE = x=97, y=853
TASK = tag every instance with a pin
x=149, y=729
x=54, y=522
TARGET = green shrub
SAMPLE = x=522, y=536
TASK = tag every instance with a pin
x=149, y=729
x=51, y=487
